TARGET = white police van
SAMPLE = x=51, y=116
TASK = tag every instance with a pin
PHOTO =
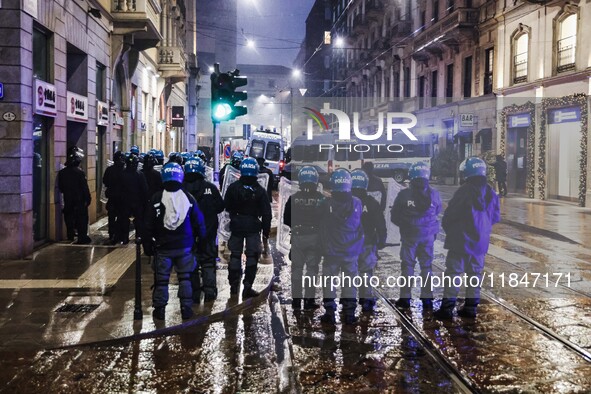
x=268, y=145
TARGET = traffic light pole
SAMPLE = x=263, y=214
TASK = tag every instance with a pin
x=216, y=149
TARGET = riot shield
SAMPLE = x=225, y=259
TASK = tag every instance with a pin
x=286, y=189
x=392, y=191
x=231, y=176
x=209, y=174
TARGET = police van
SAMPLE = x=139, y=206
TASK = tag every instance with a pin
x=268, y=145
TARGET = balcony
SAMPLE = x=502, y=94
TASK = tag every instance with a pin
x=449, y=31
x=172, y=63
x=400, y=33
x=141, y=18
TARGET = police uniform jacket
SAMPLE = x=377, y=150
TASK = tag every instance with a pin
x=469, y=218
x=372, y=219
x=209, y=200
x=72, y=183
x=413, y=221
x=246, y=201
x=306, y=207
x=183, y=237
x=341, y=231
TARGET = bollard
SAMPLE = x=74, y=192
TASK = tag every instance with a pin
x=137, y=312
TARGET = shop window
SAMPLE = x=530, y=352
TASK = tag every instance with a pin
x=41, y=51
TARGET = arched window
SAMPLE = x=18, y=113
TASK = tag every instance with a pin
x=566, y=43
x=520, y=56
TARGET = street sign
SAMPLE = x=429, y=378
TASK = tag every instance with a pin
x=227, y=151
x=1, y=90
x=466, y=120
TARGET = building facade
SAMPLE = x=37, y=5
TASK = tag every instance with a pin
x=482, y=77
x=103, y=76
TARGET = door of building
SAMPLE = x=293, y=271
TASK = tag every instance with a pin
x=40, y=177
x=100, y=165
x=517, y=159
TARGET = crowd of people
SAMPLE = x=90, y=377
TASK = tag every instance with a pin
x=175, y=212
x=346, y=230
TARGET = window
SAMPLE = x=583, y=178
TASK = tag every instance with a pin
x=450, y=6
x=423, y=20
x=488, y=70
x=273, y=151
x=257, y=149
x=421, y=92
x=449, y=81
x=520, y=54
x=100, y=81
x=406, y=81
x=435, y=11
x=567, y=43
x=468, y=77
x=396, y=85
x=40, y=55
x=434, y=88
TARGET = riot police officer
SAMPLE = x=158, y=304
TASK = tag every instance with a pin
x=415, y=212
x=235, y=162
x=467, y=221
x=72, y=183
x=211, y=204
x=250, y=213
x=134, y=192
x=266, y=170
x=153, y=177
x=112, y=181
x=374, y=230
x=173, y=223
x=302, y=213
x=341, y=236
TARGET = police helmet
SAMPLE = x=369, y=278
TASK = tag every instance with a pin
x=201, y=155
x=359, y=179
x=186, y=156
x=74, y=159
x=236, y=159
x=75, y=150
x=419, y=170
x=159, y=156
x=176, y=158
x=134, y=150
x=308, y=174
x=150, y=160
x=132, y=161
x=340, y=180
x=172, y=172
x=119, y=157
x=475, y=166
x=195, y=165
x=249, y=167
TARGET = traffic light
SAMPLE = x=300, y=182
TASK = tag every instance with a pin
x=224, y=97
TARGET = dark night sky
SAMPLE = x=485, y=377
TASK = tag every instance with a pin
x=277, y=24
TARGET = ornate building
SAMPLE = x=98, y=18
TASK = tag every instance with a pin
x=102, y=75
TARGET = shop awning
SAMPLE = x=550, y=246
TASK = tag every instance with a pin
x=483, y=133
x=464, y=137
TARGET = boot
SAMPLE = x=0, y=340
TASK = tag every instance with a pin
x=403, y=303
x=427, y=304
x=296, y=303
x=158, y=312
x=446, y=312
x=234, y=279
x=186, y=312
x=310, y=304
x=249, y=276
x=328, y=317
x=350, y=319
x=249, y=292
x=469, y=309
x=368, y=305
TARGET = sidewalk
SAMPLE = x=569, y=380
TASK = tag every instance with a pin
x=552, y=218
x=68, y=294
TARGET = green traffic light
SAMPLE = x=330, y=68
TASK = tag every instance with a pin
x=221, y=111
